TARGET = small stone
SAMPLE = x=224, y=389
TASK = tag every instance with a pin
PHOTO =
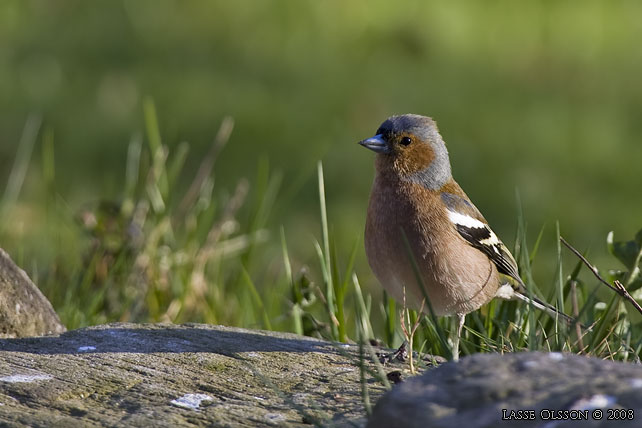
x=394, y=376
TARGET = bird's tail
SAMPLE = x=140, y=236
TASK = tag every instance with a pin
x=546, y=307
x=514, y=290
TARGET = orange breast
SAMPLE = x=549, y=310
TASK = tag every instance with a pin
x=457, y=277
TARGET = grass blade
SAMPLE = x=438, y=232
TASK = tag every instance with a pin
x=21, y=163
x=326, y=256
x=560, y=327
x=362, y=313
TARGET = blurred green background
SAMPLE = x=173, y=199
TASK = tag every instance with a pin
x=539, y=96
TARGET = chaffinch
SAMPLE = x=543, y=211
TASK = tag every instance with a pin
x=462, y=263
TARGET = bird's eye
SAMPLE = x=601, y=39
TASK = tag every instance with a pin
x=406, y=140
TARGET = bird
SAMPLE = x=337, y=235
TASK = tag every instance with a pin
x=418, y=211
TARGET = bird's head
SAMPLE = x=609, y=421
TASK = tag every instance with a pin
x=410, y=146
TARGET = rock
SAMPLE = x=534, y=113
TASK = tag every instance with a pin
x=167, y=375
x=517, y=390
x=24, y=310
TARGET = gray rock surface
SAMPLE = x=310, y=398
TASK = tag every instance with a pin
x=24, y=310
x=475, y=391
x=172, y=376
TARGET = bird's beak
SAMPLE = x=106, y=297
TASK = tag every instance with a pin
x=376, y=144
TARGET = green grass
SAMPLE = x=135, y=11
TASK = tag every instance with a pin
x=161, y=253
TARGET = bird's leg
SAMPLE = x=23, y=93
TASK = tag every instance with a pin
x=460, y=325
